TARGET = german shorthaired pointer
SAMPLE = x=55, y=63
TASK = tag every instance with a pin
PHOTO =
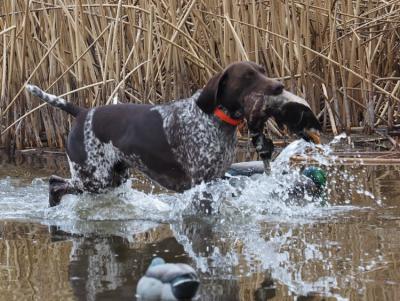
x=179, y=144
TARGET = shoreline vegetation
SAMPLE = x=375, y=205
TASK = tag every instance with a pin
x=342, y=56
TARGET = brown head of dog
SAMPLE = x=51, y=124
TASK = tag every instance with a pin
x=244, y=91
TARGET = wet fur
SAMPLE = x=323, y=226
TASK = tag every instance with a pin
x=177, y=145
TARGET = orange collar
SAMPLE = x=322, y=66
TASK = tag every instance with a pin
x=220, y=114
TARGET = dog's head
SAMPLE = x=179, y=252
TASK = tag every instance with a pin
x=244, y=91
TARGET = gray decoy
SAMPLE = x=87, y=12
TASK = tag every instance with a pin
x=167, y=281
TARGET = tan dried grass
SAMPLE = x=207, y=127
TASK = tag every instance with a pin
x=341, y=55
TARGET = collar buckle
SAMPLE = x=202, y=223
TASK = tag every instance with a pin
x=221, y=115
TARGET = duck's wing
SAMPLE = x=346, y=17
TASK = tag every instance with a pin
x=149, y=288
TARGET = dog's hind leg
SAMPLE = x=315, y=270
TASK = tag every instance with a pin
x=58, y=187
x=120, y=173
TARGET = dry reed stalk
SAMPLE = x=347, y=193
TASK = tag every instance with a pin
x=29, y=78
x=7, y=30
x=348, y=161
x=123, y=80
x=339, y=54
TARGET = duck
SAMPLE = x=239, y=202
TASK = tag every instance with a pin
x=167, y=281
x=318, y=180
x=312, y=182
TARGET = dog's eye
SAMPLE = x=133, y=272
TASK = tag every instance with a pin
x=249, y=74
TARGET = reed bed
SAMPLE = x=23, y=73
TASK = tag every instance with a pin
x=341, y=55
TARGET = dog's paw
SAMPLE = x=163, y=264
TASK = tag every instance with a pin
x=56, y=180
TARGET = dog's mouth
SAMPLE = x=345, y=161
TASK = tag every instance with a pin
x=256, y=110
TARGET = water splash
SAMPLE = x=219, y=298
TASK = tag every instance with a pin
x=122, y=203
x=239, y=209
x=244, y=205
x=265, y=197
x=259, y=197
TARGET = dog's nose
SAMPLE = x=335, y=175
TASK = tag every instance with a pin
x=277, y=88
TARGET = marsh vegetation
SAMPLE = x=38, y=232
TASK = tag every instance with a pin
x=342, y=56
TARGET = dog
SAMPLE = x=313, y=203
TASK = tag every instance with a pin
x=179, y=144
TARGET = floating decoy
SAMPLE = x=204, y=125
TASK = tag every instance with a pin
x=167, y=281
x=317, y=175
x=313, y=180
x=246, y=169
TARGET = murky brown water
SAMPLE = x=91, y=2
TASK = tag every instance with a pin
x=350, y=251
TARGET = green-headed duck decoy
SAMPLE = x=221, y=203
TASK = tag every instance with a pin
x=167, y=281
x=313, y=180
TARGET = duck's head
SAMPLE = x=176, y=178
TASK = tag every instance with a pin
x=157, y=261
x=185, y=286
x=317, y=175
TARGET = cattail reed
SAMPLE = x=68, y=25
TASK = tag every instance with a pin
x=342, y=56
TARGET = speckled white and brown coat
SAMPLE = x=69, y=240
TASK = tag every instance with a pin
x=177, y=145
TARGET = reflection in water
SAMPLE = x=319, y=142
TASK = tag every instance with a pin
x=108, y=268
x=32, y=267
x=353, y=255
x=254, y=246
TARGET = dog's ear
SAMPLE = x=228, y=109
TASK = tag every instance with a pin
x=208, y=99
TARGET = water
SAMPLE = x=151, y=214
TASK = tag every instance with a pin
x=258, y=243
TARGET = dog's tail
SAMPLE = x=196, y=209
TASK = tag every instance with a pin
x=54, y=100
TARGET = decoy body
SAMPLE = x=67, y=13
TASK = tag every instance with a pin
x=246, y=168
x=313, y=179
x=167, y=281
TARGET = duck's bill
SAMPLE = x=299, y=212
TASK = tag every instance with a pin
x=313, y=135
